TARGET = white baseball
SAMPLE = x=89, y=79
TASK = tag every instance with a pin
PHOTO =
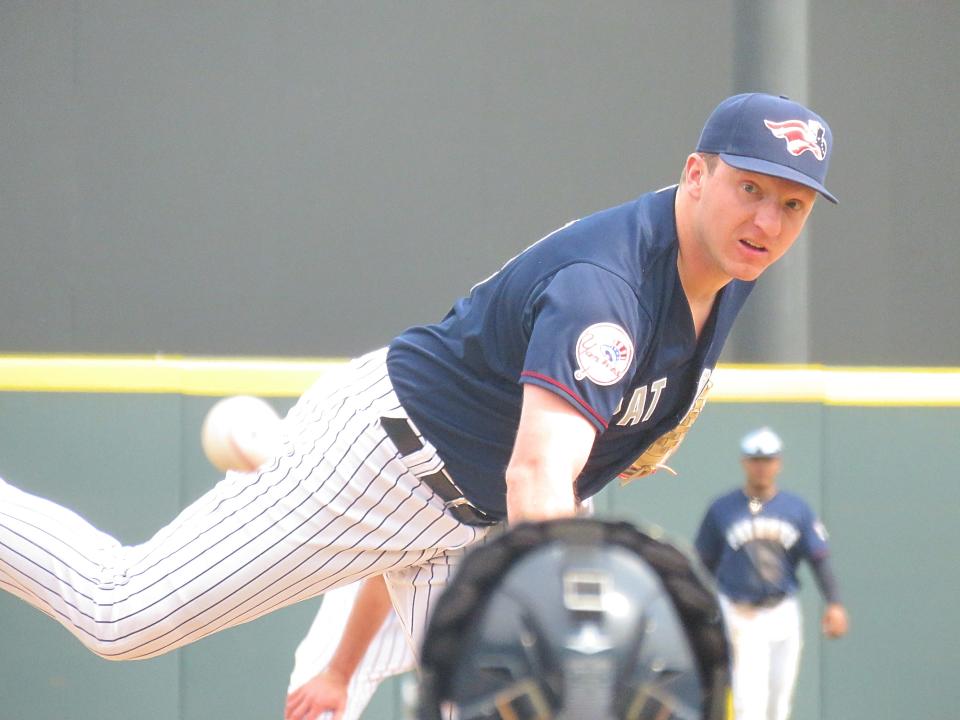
x=240, y=433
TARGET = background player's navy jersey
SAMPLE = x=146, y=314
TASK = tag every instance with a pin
x=595, y=313
x=755, y=556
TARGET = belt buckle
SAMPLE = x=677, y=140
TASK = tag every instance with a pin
x=467, y=513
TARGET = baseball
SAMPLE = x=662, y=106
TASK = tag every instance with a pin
x=240, y=433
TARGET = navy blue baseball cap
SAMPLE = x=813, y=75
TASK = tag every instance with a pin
x=772, y=135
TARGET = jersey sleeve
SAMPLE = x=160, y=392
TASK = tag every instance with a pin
x=586, y=331
x=814, y=535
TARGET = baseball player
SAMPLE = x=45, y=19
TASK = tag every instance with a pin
x=585, y=358
x=752, y=539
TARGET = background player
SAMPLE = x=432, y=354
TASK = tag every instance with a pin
x=752, y=539
x=574, y=364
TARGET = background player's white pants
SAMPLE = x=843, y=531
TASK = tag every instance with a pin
x=766, y=655
x=389, y=652
x=338, y=505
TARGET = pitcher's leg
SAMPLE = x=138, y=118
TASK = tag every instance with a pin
x=337, y=506
x=414, y=590
x=24, y=520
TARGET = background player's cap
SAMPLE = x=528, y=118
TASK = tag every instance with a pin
x=771, y=135
x=761, y=443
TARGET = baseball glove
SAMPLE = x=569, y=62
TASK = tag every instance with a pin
x=656, y=455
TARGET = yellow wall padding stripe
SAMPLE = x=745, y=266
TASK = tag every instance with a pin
x=838, y=386
x=269, y=377
x=285, y=377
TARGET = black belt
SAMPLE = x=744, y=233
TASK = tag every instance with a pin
x=407, y=442
x=766, y=602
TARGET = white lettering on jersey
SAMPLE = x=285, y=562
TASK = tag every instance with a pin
x=657, y=387
x=762, y=528
x=634, y=410
x=638, y=402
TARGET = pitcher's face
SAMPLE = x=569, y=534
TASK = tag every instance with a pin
x=746, y=221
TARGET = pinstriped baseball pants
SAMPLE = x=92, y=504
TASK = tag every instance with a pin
x=338, y=505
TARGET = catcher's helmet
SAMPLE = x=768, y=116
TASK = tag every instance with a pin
x=575, y=620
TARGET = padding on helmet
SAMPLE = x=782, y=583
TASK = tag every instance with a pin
x=576, y=619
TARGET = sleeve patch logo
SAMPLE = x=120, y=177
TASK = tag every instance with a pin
x=604, y=352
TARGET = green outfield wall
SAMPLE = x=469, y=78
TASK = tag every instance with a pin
x=872, y=449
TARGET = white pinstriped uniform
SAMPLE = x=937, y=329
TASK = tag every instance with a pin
x=338, y=505
x=388, y=654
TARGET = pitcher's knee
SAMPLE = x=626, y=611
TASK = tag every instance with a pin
x=118, y=642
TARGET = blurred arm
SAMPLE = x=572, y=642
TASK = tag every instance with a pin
x=835, y=622
x=552, y=446
x=327, y=691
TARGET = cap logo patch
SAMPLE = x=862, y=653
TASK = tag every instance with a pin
x=604, y=352
x=801, y=136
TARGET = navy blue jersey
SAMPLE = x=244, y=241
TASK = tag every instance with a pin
x=754, y=552
x=595, y=313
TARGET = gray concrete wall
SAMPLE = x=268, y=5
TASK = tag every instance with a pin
x=294, y=178
x=885, y=264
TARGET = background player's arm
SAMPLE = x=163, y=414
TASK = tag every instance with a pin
x=327, y=691
x=552, y=446
x=834, y=622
